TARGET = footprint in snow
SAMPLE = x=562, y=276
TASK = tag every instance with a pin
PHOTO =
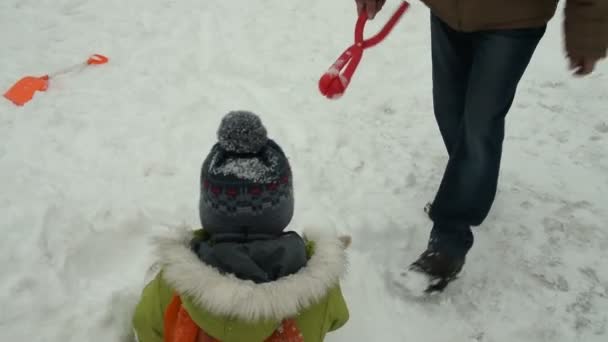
x=388, y=110
x=156, y=169
x=526, y=205
x=602, y=127
x=552, y=85
x=407, y=284
x=558, y=283
x=552, y=225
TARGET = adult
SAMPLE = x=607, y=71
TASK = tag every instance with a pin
x=480, y=50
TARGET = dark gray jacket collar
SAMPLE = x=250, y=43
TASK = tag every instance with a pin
x=260, y=259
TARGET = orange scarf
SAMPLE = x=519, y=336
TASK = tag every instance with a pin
x=179, y=327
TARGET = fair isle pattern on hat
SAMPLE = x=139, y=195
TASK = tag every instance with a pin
x=231, y=199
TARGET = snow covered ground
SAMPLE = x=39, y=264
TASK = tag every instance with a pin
x=110, y=156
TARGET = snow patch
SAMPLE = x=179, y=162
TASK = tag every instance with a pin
x=252, y=169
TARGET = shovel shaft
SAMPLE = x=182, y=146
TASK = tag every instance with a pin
x=75, y=67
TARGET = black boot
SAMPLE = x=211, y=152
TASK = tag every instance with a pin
x=440, y=268
x=445, y=255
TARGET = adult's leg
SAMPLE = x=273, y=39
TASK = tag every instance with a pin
x=452, y=57
x=469, y=184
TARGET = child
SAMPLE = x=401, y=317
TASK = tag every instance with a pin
x=243, y=278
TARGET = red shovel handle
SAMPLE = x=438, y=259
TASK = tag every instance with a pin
x=97, y=59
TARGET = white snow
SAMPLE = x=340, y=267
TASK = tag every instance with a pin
x=247, y=168
x=411, y=283
x=109, y=156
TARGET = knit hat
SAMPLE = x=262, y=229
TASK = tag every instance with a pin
x=246, y=183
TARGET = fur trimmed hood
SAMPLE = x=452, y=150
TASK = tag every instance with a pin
x=227, y=295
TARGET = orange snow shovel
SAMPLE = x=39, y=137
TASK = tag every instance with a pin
x=23, y=91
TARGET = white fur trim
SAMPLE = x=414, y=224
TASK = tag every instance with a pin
x=226, y=295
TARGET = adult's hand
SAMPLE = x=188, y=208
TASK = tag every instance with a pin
x=586, y=34
x=581, y=65
x=370, y=6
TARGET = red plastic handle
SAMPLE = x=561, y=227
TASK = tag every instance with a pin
x=386, y=29
x=335, y=81
x=97, y=59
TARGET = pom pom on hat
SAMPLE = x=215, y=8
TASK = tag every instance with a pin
x=242, y=132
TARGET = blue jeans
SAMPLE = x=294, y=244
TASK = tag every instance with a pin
x=475, y=77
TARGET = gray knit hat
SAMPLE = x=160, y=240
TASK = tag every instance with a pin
x=246, y=181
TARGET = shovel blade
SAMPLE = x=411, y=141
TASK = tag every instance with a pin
x=23, y=91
